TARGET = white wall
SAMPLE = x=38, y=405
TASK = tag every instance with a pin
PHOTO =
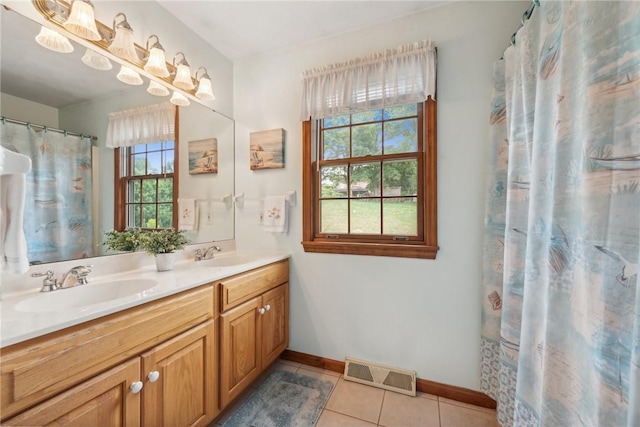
x=416, y=314
x=16, y=108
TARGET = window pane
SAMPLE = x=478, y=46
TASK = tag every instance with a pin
x=366, y=117
x=133, y=195
x=154, y=163
x=133, y=216
x=333, y=181
x=165, y=190
x=400, y=178
x=334, y=216
x=401, y=136
x=365, y=216
x=149, y=216
x=335, y=143
x=168, y=145
x=331, y=122
x=365, y=180
x=169, y=160
x=401, y=111
x=400, y=216
x=140, y=148
x=156, y=146
x=165, y=215
x=149, y=191
x=139, y=164
x=367, y=140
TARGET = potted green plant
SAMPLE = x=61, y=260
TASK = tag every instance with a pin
x=122, y=241
x=162, y=243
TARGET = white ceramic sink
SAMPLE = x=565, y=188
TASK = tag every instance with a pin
x=85, y=295
x=229, y=260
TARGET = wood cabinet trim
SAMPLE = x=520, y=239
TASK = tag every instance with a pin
x=240, y=288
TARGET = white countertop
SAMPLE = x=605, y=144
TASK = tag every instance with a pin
x=20, y=325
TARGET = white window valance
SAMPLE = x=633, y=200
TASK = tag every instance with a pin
x=144, y=125
x=386, y=79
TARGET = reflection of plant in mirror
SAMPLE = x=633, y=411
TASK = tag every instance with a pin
x=162, y=241
x=119, y=241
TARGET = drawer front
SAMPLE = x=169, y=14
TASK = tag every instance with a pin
x=240, y=288
x=44, y=366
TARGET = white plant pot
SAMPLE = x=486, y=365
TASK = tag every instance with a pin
x=164, y=262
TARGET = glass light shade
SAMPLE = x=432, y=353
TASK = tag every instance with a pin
x=95, y=60
x=122, y=45
x=157, y=89
x=183, y=78
x=128, y=76
x=53, y=40
x=81, y=21
x=156, y=64
x=205, y=92
x=179, y=99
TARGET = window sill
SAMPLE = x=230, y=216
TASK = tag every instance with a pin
x=374, y=249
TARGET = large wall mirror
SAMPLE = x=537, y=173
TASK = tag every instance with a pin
x=58, y=91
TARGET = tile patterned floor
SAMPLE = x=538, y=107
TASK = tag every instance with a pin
x=356, y=405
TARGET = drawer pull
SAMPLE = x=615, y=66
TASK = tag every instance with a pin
x=267, y=307
x=136, y=387
x=153, y=376
x=261, y=310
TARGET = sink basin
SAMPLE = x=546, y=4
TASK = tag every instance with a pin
x=229, y=260
x=85, y=295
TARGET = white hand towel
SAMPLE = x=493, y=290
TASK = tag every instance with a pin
x=187, y=215
x=275, y=214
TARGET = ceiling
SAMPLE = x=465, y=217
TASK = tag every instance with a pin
x=239, y=29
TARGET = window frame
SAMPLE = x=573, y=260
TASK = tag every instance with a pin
x=425, y=246
x=121, y=182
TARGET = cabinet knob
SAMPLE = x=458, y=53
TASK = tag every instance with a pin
x=136, y=387
x=261, y=310
x=267, y=307
x=153, y=376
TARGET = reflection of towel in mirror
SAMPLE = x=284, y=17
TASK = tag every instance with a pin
x=187, y=215
x=13, y=245
x=275, y=214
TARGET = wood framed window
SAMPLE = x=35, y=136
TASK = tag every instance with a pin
x=146, y=185
x=370, y=182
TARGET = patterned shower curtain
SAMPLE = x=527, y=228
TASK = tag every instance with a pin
x=561, y=304
x=58, y=203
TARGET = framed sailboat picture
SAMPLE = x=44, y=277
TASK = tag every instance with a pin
x=203, y=156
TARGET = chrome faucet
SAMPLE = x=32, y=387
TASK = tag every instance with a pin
x=207, y=253
x=76, y=276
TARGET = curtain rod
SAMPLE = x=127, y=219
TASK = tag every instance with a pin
x=47, y=128
x=525, y=17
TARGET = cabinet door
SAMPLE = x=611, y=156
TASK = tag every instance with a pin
x=275, y=323
x=183, y=392
x=240, y=349
x=105, y=400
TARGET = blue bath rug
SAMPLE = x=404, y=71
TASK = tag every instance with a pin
x=284, y=399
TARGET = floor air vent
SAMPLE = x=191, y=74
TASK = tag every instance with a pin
x=388, y=378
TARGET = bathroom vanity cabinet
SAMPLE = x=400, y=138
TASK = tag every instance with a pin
x=254, y=326
x=174, y=361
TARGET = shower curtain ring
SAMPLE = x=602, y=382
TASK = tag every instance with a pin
x=46, y=129
x=28, y=125
x=513, y=39
x=65, y=133
x=81, y=136
x=536, y=2
x=4, y=120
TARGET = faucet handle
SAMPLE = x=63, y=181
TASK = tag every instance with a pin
x=81, y=272
x=198, y=253
x=49, y=283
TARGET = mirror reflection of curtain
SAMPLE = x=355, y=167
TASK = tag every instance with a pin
x=58, y=216
x=561, y=297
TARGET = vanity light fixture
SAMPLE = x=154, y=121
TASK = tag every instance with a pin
x=205, y=91
x=179, y=99
x=156, y=63
x=183, y=73
x=53, y=40
x=81, y=21
x=95, y=60
x=157, y=89
x=122, y=44
x=128, y=76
